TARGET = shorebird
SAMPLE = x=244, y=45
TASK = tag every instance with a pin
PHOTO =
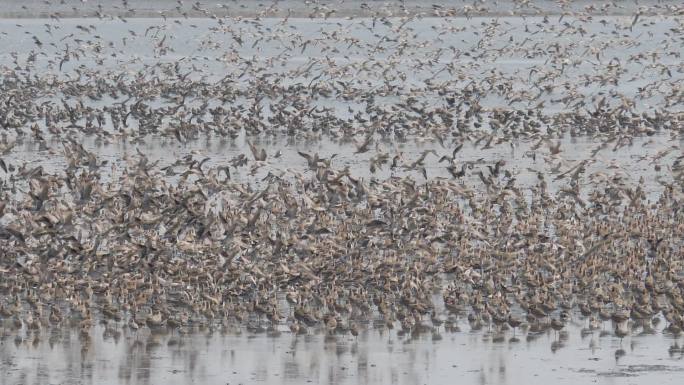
x=621, y=330
x=514, y=322
x=557, y=325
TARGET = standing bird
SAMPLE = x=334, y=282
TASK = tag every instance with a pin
x=259, y=154
x=514, y=322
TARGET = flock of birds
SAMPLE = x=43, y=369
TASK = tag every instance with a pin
x=253, y=242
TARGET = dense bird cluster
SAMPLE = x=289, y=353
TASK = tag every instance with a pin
x=205, y=250
x=181, y=243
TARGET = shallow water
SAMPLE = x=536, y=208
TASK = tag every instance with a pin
x=630, y=163
x=120, y=356
x=75, y=8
